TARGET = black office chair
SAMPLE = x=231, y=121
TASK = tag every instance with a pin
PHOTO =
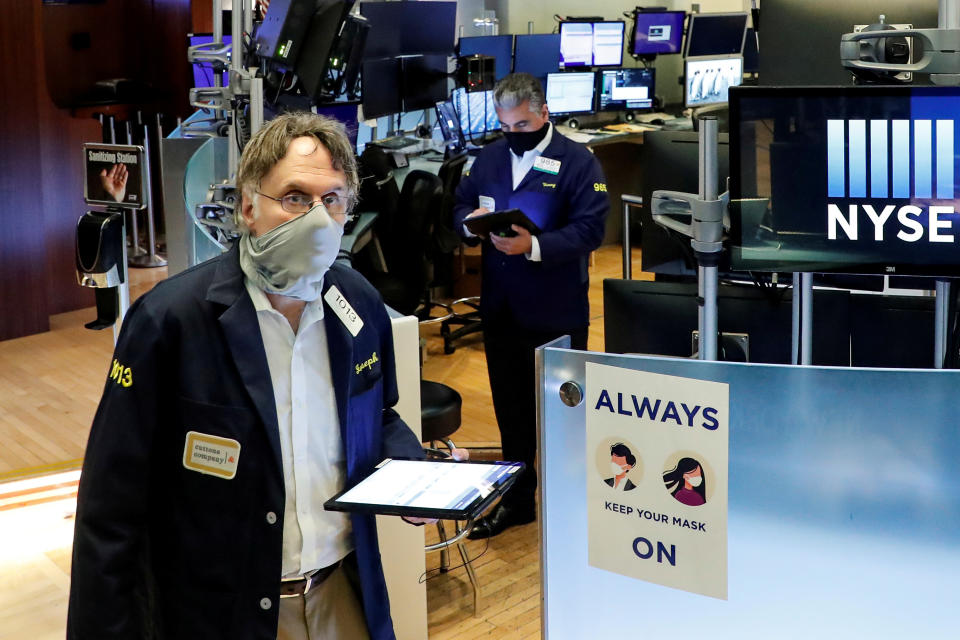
x=406, y=247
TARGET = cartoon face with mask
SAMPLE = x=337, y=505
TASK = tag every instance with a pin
x=622, y=462
x=294, y=222
x=686, y=482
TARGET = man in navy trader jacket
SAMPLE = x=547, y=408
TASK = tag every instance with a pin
x=180, y=529
x=534, y=288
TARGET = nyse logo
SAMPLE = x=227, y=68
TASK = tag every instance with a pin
x=885, y=147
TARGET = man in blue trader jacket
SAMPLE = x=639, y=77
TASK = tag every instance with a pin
x=534, y=288
x=243, y=393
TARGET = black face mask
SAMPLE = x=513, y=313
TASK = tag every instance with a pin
x=522, y=141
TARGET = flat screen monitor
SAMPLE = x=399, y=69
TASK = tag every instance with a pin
x=203, y=73
x=424, y=80
x=476, y=112
x=845, y=179
x=657, y=32
x=716, y=34
x=381, y=94
x=409, y=28
x=591, y=44
x=537, y=54
x=570, y=93
x=707, y=80
x=500, y=47
x=622, y=89
x=449, y=123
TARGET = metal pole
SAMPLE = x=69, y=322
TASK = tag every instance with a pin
x=150, y=259
x=628, y=201
x=941, y=321
x=134, y=223
x=806, y=326
x=530, y=27
x=123, y=290
x=708, y=271
x=113, y=132
x=795, y=335
x=948, y=14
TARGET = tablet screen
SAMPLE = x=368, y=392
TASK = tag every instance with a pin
x=428, y=487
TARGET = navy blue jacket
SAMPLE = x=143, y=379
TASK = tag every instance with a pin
x=163, y=551
x=570, y=208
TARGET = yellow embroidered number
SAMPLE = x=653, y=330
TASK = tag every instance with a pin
x=599, y=186
x=121, y=375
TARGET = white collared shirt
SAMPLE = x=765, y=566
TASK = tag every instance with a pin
x=314, y=465
x=521, y=166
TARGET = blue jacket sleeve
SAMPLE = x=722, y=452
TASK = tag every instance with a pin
x=112, y=504
x=583, y=232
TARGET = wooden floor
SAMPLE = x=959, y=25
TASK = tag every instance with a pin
x=49, y=388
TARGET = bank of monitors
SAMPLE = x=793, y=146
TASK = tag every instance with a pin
x=499, y=47
x=708, y=80
x=625, y=89
x=657, y=32
x=716, y=34
x=591, y=44
x=570, y=93
x=537, y=54
x=856, y=179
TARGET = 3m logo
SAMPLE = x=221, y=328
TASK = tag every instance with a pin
x=881, y=149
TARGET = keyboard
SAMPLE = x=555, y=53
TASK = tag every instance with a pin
x=397, y=142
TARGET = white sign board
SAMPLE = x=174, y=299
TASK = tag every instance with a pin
x=657, y=449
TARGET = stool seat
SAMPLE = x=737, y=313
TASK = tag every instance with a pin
x=439, y=411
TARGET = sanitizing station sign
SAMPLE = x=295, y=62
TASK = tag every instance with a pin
x=657, y=478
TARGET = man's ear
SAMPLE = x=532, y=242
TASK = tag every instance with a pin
x=246, y=207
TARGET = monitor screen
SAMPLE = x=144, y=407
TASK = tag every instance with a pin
x=424, y=80
x=409, y=28
x=716, y=34
x=449, y=123
x=537, y=54
x=622, y=89
x=381, y=87
x=203, y=73
x=476, y=112
x=658, y=32
x=569, y=93
x=591, y=44
x=500, y=47
x=845, y=179
x=706, y=80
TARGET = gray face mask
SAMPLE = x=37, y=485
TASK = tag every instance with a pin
x=292, y=258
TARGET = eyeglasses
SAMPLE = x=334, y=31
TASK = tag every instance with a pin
x=300, y=203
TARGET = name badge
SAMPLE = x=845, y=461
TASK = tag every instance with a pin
x=344, y=311
x=547, y=165
x=211, y=455
x=488, y=203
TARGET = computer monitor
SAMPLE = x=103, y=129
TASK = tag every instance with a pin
x=203, y=73
x=424, y=80
x=716, y=34
x=751, y=52
x=500, y=47
x=707, y=80
x=409, y=28
x=537, y=54
x=622, y=89
x=449, y=123
x=657, y=32
x=476, y=112
x=570, y=93
x=591, y=44
x=381, y=94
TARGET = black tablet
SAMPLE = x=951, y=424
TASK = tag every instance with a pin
x=498, y=223
x=443, y=489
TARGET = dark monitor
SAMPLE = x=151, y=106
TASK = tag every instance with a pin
x=845, y=179
x=622, y=89
x=706, y=81
x=570, y=93
x=500, y=47
x=409, y=28
x=424, y=81
x=659, y=318
x=449, y=123
x=874, y=319
x=476, y=112
x=537, y=54
x=670, y=160
x=751, y=52
x=381, y=87
x=203, y=74
x=716, y=34
x=591, y=44
x=657, y=32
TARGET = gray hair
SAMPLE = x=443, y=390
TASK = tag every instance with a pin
x=517, y=88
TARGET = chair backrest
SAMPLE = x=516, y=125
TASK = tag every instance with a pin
x=378, y=189
x=445, y=237
x=406, y=248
